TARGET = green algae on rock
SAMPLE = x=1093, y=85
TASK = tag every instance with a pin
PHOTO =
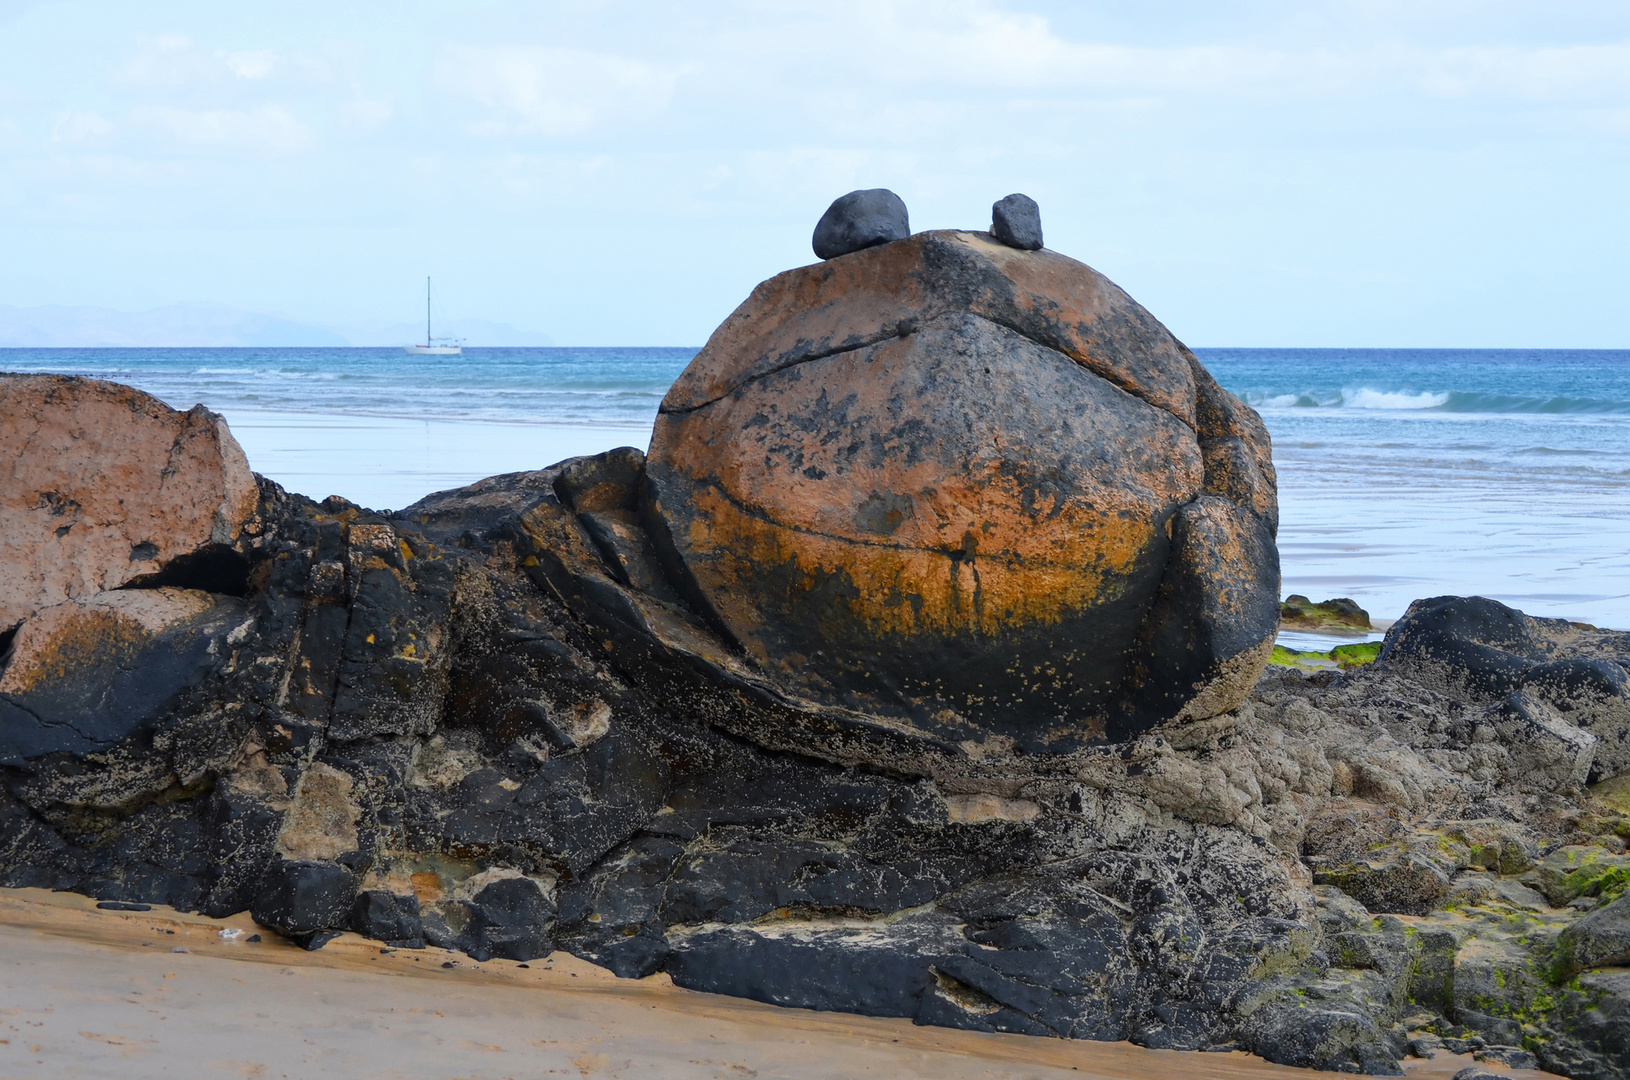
x=1341, y=615
x=1342, y=656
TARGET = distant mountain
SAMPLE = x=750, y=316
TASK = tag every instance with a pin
x=178, y=325
x=214, y=326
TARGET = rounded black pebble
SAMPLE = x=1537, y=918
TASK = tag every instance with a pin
x=859, y=220
x=1016, y=222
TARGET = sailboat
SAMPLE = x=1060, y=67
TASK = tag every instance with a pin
x=450, y=346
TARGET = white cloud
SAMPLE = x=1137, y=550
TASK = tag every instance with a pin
x=266, y=129
x=977, y=47
x=1580, y=73
x=556, y=92
x=77, y=126
x=250, y=65
x=366, y=115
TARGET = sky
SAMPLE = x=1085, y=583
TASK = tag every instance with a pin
x=1429, y=173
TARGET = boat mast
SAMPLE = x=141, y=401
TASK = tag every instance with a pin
x=427, y=311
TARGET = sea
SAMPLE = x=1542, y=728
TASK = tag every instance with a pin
x=1403, y=473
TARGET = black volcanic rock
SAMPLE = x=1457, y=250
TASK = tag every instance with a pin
x=301, y=898
x=132, y=654
x=388, y=917
x=1562, y=691
x=510, y=919
x=1468, y=642
x=859, y=220
x=1016, y=222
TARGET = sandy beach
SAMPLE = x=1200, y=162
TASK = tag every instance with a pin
x=92, y=993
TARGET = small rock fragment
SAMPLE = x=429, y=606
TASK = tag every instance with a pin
x=1600, y=939
x=859, y=220
x=1510, y=1056
x=303, y=897
x=1016, y=222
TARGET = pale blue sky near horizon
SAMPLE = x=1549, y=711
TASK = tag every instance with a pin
x=1268, y=173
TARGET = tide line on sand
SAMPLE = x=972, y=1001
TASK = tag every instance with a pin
x=91, y=992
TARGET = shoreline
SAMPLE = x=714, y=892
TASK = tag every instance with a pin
x=1384, y=505
x=71, y=1012
x=390, y=462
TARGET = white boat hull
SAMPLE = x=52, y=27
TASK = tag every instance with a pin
x=433, y=350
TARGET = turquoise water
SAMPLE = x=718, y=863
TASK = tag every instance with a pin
x=606, y=387
x=1403, y=473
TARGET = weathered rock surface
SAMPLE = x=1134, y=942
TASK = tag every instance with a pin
x=1600, y=939
x=85, y=675
x=859, y=220
x=974, y=489
x=1016, y=222
x=101, y=484
x=463, y=725
x=504, y=721
x=1564, y=685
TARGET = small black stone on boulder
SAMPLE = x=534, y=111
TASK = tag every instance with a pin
x=859, y=220
x=1016, y=222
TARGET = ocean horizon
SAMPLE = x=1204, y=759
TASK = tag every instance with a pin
x=1403, y=473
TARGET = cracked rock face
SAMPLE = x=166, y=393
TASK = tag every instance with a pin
x=105, y=485
x=85, y=675
x=975, y=488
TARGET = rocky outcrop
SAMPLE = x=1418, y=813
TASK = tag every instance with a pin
x=521, y=716
x=1341, y=615
x=1562, y=686
x=972, y=489
x=105, y=485
x=465, y=725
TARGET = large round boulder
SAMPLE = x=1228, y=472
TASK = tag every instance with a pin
x=972, y=487
x=102, y=485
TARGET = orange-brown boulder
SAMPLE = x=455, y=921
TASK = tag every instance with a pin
x=101, y=484
x=973, y=487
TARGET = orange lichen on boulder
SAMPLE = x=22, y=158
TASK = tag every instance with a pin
x=104, y=484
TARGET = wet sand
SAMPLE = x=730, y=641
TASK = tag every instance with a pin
x=132, y=995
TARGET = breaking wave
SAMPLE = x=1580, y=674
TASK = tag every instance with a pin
x=1443, y=401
